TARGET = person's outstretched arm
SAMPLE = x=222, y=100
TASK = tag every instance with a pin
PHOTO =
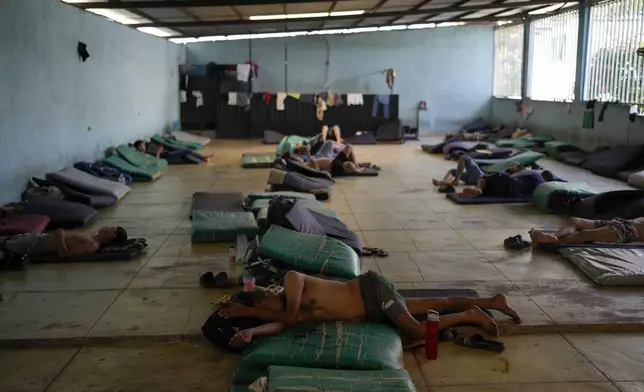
x=246, y=336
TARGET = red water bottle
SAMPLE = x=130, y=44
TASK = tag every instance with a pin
x=431, y=335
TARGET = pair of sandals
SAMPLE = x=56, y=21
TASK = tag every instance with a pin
x=516, y=243
x=374, y=252
x=475, y=341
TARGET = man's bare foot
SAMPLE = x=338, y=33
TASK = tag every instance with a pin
x=500, y=303
x=540, y=237
x=478, y=317
x=208, y=158
x=435, y=182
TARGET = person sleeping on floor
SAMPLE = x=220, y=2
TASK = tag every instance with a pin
x=578, y=230
x=62, y=244
x=369, y=297
x=515, y=182
x=157, y=151
x=343, y=162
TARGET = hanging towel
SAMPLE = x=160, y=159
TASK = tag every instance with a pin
x=243, y=99
x=390, y=77
x=338, y=100
x=183, y=97
x=267, y=98
x=279, y=103
x=632, y=111
x=199, y=96
x=295, y=95
x=243, y=70
x=232, y=99
x=320, y=108
x=354, y=99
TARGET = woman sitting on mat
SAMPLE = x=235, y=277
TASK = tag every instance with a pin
x=61, y=243
x=157, y=151
x=578, y=230
x=517, y=185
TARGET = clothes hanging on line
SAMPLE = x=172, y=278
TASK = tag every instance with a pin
x=267, y=98
x=243, y=99
x=279, y=103
x=355, y=99
x=294, y=95
x=232, y=99
x=183, y=97
x=320, y=108
x=243, y=72
x=380, y=100
x=199, y=97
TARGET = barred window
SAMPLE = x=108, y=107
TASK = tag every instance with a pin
x=613, y=68
x=508, y=61
x=553, y=57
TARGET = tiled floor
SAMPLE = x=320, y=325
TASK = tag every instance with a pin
x=433, y=243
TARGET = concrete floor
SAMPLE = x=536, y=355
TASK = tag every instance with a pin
x=134, y=326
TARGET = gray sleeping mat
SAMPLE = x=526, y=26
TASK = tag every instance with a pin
x=609, y=266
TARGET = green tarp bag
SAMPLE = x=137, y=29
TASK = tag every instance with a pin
x=255, y=161
x=289, y=379
x=214, y=226
x=141, y=159
x=247, y=372
x=539, y=138
x=330, y=345
x=515, y=143
x=176, y=144
x=554, y=148
x=544, y=193
x=137, y=173
x=288, y=143
x=525, y=158
x=310, y=253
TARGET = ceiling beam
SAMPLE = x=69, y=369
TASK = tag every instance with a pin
x=473, y=12
x=374, y=9
x=397, y=15
x=414, y=8
x=182, y=3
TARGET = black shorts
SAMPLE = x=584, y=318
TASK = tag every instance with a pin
x=337, y=166
x=382, y=302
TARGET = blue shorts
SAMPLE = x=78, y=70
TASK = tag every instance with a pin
x=471, y=174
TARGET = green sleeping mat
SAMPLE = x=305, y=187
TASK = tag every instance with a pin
x=525, y=158
x=261, y=214
x=515, y=143
x=213, y=226
x=177, y=144
x=269, y=195
x=141, y=159
x=257, y=161
x=310, y=253
x=557, y=196
x=329, y=345
x=311, y=204
x=247, y=372
x=137, y=173
x=539, y=138
x=554, y=148
x=288, y=379
x=288, y=143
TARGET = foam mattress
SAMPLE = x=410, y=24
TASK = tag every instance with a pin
x=549, y=196
x=221, y=202
x=137, y=173
x=189, y=137
x=609, y=266
x=88, y=183
x=257, y=161
x=214, y=226
x=141, y=159
x=288, y=379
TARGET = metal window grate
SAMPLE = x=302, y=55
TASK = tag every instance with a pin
x=613, y=68
x=508, y=59
x=553, y=57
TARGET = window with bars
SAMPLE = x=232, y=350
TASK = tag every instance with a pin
x=508, y=61
x=553, y=57
x=614, y=71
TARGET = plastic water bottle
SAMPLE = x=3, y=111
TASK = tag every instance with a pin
x=431, y=335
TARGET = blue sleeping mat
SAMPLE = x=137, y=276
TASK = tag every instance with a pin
x=456, y=198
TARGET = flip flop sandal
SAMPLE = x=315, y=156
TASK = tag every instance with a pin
x=446, y=189
x=516, y=243
x=374, y=252
x=478, y=342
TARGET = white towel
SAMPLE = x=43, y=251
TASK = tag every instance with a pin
x=243, y=70
x=279, y=104
x=183, y=98
x=232, y=99
x=199, y=96
x=354, y=99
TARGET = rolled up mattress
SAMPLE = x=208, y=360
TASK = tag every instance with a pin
x=88, y=183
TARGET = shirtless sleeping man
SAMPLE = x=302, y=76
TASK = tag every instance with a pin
x=343, y=162
x=579, y=230
x=369, y=297
x=61, y=243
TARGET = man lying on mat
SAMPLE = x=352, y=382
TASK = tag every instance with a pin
x=369, y=297
x=579, y=230
x=63, y=244
x=343, y=162
x=518, y=185
x=469, y=172
x=156, y=150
